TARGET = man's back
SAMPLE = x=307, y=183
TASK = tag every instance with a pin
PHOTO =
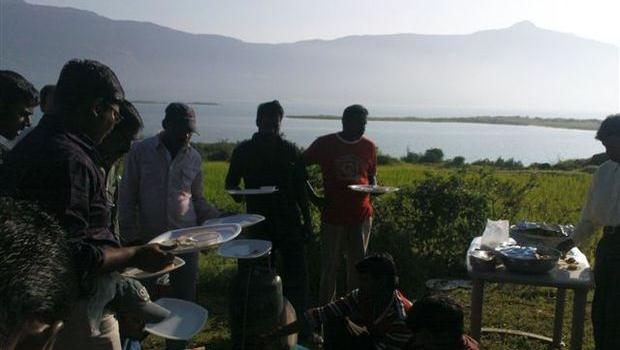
x=268, y=160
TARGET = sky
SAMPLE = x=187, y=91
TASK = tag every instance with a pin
x=277, y=21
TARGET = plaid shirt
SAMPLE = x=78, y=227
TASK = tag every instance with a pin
x=388, y=331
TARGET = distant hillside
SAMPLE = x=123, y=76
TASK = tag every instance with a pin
x=522, y=67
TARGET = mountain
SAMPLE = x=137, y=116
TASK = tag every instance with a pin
x=522, y=67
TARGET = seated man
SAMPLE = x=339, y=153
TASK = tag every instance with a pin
x=39, y=282
x=374, y=314
x=437, y=324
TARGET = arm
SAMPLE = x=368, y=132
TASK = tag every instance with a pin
x=300, y=183
x=235, y=172
x=204, y=209
x=372, y=169
x=128, y=207
x=587, y=224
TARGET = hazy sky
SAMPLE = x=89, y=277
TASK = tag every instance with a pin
x=276, y=21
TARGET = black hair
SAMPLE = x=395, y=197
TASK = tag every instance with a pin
x=379, y=265
x=131, y=119
x=82, y=81
x=609, y=126
x=46, y=91
x=437, y=314
x=14, y=88
x=354, y=112
x=269, y=110
x=36, y=267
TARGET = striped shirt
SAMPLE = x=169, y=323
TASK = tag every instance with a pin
x=388, y=331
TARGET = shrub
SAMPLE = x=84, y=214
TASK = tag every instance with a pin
x=428, y=226
x=217, y=151
x=433, y=155
x=386, y=159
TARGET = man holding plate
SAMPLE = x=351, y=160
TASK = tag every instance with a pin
x=268, y=160
x=346, y=158
x=162, y=190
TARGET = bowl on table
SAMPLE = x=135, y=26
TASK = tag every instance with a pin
x=529, y=259
x=482, y=260
x=541, y=234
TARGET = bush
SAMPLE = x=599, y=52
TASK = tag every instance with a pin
x=433, y=155
x=217, y=151
x=428, y=226
x=386, y=159
x=457, y=161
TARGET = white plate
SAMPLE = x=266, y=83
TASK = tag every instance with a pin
x=136, y=273
x=245, y=249
x=186, y=320
x=253, y=191
x=203, y=237
x=244, y=220
x=373, y=189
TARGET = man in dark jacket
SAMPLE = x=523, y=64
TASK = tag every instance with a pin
x=269, y=160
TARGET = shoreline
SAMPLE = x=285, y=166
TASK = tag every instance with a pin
x=558, y=123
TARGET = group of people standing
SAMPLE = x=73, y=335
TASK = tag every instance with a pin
x=72, y=220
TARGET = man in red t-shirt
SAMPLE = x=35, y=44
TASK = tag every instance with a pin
x=346, y=158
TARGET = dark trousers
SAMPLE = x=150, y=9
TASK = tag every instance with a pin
x=606, y=303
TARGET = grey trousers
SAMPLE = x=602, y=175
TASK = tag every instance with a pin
x=337, y=241
x=77, y=334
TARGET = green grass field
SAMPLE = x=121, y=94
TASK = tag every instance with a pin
x=556, y=197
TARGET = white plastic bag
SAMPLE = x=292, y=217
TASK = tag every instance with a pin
x=495, y=233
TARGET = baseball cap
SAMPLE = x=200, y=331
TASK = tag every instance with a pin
x=377, y=264
x=132, y=297
x=180, y=114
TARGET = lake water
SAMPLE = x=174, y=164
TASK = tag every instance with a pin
x=235, y=121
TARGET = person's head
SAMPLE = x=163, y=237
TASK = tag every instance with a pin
x=269, y=117
x=88, y=95
x=47, y=98
x=609, y=134
x=18, y=97
x=118, y=141
x=436, y=322
x=39, y=282
x=354, y=120
x=134, y=308
x=179, y=124
x=377, y=275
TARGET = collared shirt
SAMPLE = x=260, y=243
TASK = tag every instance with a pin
x=388, y=331
x=158, y=194
x=602, y=207
x=270, y=160
x=57, y=169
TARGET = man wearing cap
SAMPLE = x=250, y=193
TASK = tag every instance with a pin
x=162, y=190
x=134, y=308
x=375, y=314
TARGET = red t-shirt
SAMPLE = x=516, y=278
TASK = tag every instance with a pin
x=344, y=163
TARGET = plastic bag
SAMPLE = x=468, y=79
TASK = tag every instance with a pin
x=495, y=233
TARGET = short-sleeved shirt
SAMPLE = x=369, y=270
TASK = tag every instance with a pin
x=388, y=331
x=344, y=163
